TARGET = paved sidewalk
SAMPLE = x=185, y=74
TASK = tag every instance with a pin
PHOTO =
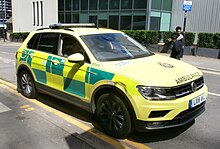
x=9, y=43
x=204, y=63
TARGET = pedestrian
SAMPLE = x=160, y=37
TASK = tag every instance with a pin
x=177, y=44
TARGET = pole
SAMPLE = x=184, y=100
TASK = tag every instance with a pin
x=184, y=28
x=184, y=23
x=4, y=20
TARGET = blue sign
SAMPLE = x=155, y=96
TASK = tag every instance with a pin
x=187, y=6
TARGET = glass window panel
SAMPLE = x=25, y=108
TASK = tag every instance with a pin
x=103, y=4
x=76, y=4
x=61, y=5
x=84, y=4
x=61, y=18
x=125, y=22
x=114, y=4
x=113, y=22
x=75, y=18
x=83, y=18
x=103, y=23
x=156, y=4
x=154, y=23
x=155, y=14
x=139, y=22
x=139, y=12
x=92, y=4
x=48, y=43
x=140, y=4
x=93, y=19
x=68, y=5
x=67, y=18
x=103, y=15
x=126, y=13
x=167, y=5
x=165, y=22
x=126, y=4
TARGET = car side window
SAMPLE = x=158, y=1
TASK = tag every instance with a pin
x=32, y=42
x=71, y=45
x=48, y=42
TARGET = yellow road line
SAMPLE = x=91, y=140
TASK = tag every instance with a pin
x=9, y=84
x=137, y=145
x=116, y=144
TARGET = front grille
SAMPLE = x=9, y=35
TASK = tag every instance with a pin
x=186, y=89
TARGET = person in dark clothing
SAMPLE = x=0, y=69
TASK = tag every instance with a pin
x=177, y=45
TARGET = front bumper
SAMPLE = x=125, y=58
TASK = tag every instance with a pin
x=180, y=120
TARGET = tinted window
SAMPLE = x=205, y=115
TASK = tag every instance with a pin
x=103, y=4
x=113, y=22
x=126, y=22
x=156, y=4
x=140, y=4
x=48, y=42
x=93, y=4
x=33, y=42
x=126, y=4
x=114, y=4
x=84, y=4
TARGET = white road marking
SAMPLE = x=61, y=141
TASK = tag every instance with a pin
x=211, y=72
x=214, y=94
x=5, y=60
x=7, y=53
x=4, y=108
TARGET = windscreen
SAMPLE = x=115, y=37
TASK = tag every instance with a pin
x=114, y=47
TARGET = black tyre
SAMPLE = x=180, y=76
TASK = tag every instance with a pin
x=113, y=115
x=28, y=88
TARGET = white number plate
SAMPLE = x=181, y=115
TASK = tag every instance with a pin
x=197, y=101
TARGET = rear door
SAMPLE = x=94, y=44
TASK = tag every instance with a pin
x=44, y=46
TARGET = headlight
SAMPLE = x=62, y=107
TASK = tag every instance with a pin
x=156, y=93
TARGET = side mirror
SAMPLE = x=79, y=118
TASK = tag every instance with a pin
x=74, y=58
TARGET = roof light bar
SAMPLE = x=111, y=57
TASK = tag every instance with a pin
x=60, y=26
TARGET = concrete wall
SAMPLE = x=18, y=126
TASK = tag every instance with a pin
x=204, y=16
x=22, y=11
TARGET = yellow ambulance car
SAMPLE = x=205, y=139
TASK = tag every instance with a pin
x=111, y=75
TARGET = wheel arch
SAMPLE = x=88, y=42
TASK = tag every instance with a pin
x=107, y=89
x=19, y=70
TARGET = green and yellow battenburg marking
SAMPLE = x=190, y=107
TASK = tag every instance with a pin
x=56, y=71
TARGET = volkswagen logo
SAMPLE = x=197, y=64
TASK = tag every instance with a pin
x=166, y=65
x=193, y=86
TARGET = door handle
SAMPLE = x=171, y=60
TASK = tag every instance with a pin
x=31, y=55
x=55, y=62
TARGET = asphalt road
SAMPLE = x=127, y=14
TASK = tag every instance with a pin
x=47, y=122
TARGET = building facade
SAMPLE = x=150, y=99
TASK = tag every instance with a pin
x=29, y=15
x=163, y=15
x=5, y=10
x=118, y=14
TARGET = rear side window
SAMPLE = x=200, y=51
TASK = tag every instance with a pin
x=32, y=44
x=45, y=42
x=48, y=42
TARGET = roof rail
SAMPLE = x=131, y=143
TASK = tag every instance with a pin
x=42, y=28
x=61, y=26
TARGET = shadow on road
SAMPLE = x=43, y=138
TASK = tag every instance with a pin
x=159, y=135
x=152, y=136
